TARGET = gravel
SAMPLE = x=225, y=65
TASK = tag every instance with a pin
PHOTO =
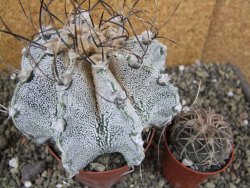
x=221, y=90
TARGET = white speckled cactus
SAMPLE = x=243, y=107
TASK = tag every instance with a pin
x=92, y=91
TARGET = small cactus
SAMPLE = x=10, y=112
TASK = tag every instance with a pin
x=202, y=137
x=90, y=88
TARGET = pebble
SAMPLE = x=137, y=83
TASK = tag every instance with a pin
x=17, y=180
x=238, y=180
x=59, y=185
x=231, y=185
x=237, y=164
x=181, y=68
x=233, y=176
x=210, y=185
x=152, y=176
x=46, y=183
x=244, y=115
x=66, y=183
x=187, y=162
x=202, y=74
x=13, y=170
x=104, y=159
x=39, y=181
x=97, y=167
x=49, y=158
x=183, y=102
x=27, y=184
x=162, y=183
x=13, y=76
x=14, y=163
x=44, y=174
x=230, y=94
x=245, y=122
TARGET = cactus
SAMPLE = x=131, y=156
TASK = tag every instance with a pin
x=202, y=137
x=91, y=89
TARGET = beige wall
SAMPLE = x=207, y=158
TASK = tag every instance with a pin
x=210, y=30
x=189, y=27
x=228, y=40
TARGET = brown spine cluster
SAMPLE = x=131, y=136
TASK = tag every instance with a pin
x=201, y=136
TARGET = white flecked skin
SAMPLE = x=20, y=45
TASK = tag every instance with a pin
x=96, y=109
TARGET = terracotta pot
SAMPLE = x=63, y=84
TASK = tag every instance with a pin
x=180, y=176
x=102, y=179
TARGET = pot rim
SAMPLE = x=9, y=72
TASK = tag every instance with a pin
x=107, y=171
x=189, y=169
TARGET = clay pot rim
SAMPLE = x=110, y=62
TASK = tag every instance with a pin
x=191, y=170
x=107, y=171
